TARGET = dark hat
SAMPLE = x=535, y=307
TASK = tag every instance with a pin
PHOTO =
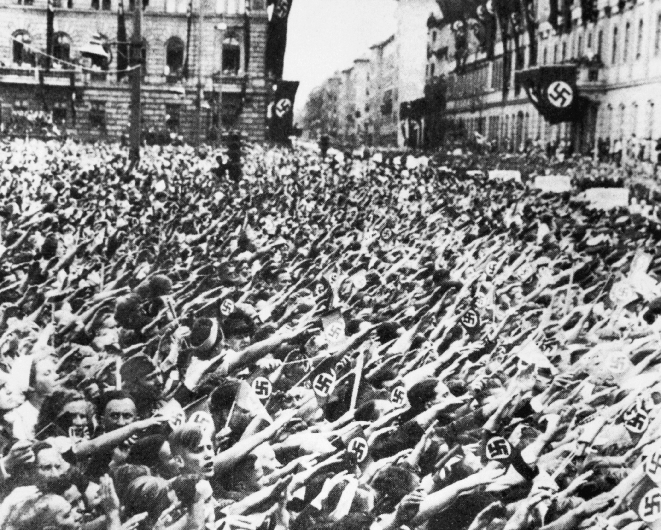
x=129, y=312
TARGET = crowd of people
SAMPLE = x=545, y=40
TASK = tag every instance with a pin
x=320, y=344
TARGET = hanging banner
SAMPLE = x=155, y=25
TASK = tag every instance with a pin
x=553, y=92
x=276, y=38
x=282, y=111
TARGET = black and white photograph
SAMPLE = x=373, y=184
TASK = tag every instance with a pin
x=330, y=265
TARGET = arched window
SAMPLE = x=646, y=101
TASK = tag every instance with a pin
x=639, y=41
x=625, y=48
x=21, y=53
x=62, y=47
x=614, y=54
x=174, y=56
x=579, y=50
x=600, y=41
x=231, y=56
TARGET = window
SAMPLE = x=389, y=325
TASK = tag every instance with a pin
x=614, y=54
x=231, y=56
x=555, y=54
x=433, y=36
x=21, y=104
x=62, y=47
x=106, y=5
x=639, y=41
x=625, y=48
x=59, y=112
x=657, y=37
x=97, y=115
x=21, y=53
x=634, y=118
x=545, y=55
x=564, y=52
x=650, y=119
x=589, y=40
x=386, y=108
x=432, y=69
x=173, y=117
x=579, y=51
x=174, y=56
x=600, y=39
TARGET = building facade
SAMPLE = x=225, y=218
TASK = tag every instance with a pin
x=221, y=52
x=616, y=48
x=384, y=101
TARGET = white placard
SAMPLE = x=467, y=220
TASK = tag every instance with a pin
x=553, y=183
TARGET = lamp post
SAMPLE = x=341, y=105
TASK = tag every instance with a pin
x=222, y=28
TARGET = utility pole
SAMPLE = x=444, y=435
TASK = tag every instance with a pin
x=198, y=118
x=136, y=84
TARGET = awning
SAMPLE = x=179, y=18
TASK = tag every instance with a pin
x=94, y=48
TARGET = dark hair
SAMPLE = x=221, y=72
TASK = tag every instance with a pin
x=52, y=407
x=145, y=451
x=112, y=395
x=367, y=412
x=393, y=483
x=123, y=475
x=421, y=393
x=184, y=487
x=224, y=395
x=146, y=494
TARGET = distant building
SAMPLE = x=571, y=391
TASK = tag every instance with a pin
x=384, y=98
x=82, y=92
x=615, y=47
x=411, y=44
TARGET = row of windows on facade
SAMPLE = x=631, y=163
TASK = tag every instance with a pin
x=22, y=53
x=612, y=123
x=227, y=7
x=619, y=52
x=97, y=113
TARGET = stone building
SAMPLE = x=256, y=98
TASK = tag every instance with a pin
x=384, y=95
x=615, y=46
x=83, y=92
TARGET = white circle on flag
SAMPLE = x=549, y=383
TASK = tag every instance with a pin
x=359, y=280
x=649, y=508
x=227, y=307
x=323, y=384
x=398, y=396
x=652, y=466
x=203, y=419
x=498, y=448
x=262, y=387
x=358, y=446
x=618, y=363
x=638, y=422
x=560, y=94
x=282, y=107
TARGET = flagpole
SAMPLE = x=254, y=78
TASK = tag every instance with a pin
x=136, y=84
x=198, y=117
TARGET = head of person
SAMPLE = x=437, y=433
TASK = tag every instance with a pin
x=391, y=485
x=238, y=329
x=43, y=376
x=68, y=411
x=251, y=473
x=154, y=452
x=150, y=495
x=229, y=406
x=123, y=475
x=49, y=465
x=117, y=409
x=10, y=395
x=142, y=379
x=373, y=410
x=48, y=512
x=186, y=488
x=192, y=450
x=427, y=393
